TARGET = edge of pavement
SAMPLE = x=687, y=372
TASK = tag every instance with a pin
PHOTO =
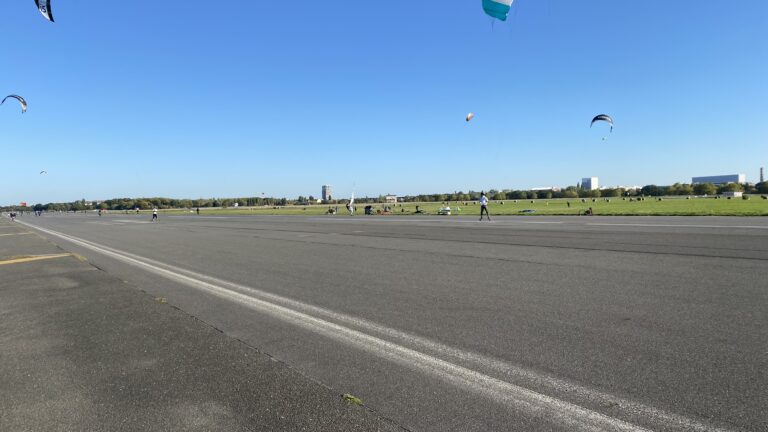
x=83, y=350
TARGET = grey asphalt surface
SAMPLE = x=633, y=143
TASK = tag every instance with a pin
x=85, y=351
x=658, y=322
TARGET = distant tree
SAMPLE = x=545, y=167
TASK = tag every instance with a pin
x=762, y=187
x=685, y=189
x=730, y=187
x=749, y=188
x=704, y=189
x=653, y=190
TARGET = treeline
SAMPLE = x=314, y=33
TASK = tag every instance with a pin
x=578, y=192
x=159, y=203
x=569, y=192
x=704, y=189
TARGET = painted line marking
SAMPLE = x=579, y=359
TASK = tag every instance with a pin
x=573, y=416
x=27, y=259
x=679, y=225
x=439, y=221
x=201, y=217
x=15, y=234
x=517, y=397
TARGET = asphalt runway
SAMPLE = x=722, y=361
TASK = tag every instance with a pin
x=449, y=324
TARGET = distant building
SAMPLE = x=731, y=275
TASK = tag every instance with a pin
x=390, y=199
x=546, y=189
x=590, y=183
x=733, y=194
x=721, y=179
x=762, y=178
x=326, y=194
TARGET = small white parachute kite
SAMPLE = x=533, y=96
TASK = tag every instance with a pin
x=470, y=116
x=602, y=118
x=44, y=6
x=18, y=98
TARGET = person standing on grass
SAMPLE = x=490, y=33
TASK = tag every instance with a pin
x=154, y=215
x=484, y=206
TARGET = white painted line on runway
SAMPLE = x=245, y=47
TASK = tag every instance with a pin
x=297, y=313
x=199, y=217
x=435, y=220
x=679, y=225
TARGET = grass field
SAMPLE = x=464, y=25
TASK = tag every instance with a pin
x=672, y=206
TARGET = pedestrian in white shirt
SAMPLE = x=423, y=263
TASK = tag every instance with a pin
x=484, y=206
x=154, y=215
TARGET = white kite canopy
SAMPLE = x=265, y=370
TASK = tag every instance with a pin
x=18, y=98
x=498, y=9
x=44, y=6
x=470, y=116
x=604, y=118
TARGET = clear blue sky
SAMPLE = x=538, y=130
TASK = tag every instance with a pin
x=220, y=99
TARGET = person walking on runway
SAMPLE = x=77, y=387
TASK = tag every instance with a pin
x=484, y=207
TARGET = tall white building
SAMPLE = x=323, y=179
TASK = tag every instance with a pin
x=590, y=183
x=326, y=193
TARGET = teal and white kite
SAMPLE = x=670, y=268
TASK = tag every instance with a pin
x=498, y=9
